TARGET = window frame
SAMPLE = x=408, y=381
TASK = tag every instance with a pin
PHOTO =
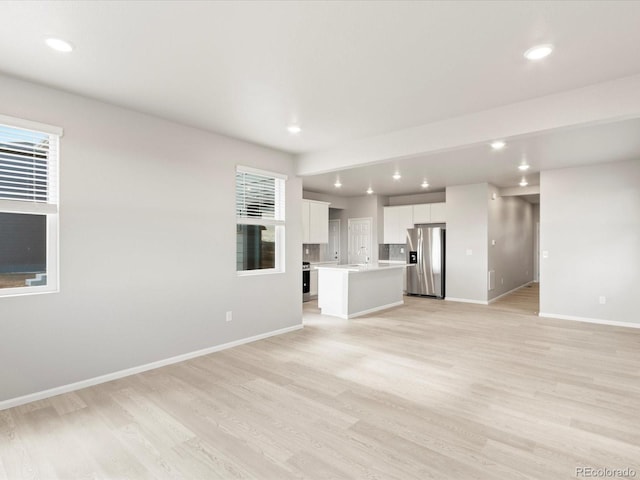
x=49, y=209
x=279, y=222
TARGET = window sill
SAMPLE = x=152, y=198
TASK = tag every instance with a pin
x=255, y=273
x=23, y=292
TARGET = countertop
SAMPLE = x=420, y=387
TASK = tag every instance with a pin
x=371, y=267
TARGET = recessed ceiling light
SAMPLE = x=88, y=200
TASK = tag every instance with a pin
x=294, y=129
x=523, y=182
x=397, y=176
x=538, y=52
x=337, y=184
x=59, y=45
x=524, y=167
x=425, y=184
x=498, y=144
x=369, y=191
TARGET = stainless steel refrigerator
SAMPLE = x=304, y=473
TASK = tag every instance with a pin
x=425, y=258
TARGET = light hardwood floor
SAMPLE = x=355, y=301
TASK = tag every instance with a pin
x=431, y=389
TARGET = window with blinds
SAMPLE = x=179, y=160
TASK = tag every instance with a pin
x=28, y=165
x=260, y=218
x=259, y=196
x=28, y=207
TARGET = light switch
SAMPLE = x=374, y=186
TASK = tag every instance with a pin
x=401, y=250
x=469, y=252
x=545, y=254
x=493, y=242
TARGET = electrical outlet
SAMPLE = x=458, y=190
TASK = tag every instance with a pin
x=545, y=254
x=306, y=251
x=401, y=249
x=469, y=252
x=229, y=316
x=602, y=299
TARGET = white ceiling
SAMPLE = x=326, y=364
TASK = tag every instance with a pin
x=344, y=70
x=616, y=141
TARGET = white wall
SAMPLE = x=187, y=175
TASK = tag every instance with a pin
x=147, y=246
x=511, y=226
x=590, y=227
x=467, y=229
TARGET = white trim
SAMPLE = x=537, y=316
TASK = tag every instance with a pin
x=507, y=293
x=613, y=323
x=259, y=221
x=52, y=392
x=257, y=171
x=466, y=300
x=371, y=310
x=27, y=206
x=375, y=309
x=259, y=271
x=30, y=125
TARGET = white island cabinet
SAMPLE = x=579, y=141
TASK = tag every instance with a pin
x=348, y=291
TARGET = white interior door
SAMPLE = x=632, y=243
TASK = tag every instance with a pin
x=360, y=240
x=333, y=249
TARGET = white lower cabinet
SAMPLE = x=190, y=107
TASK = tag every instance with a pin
x=404, y=280
x=313, y=283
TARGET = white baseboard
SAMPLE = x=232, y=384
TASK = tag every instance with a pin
x=510, y=291
x=589, y=320
x=376, y=309
x=466, y=300
x=52, y=392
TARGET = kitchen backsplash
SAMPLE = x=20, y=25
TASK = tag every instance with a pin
x=310, y=252
x=316, y=253
x=313, y=252
x=392, y=251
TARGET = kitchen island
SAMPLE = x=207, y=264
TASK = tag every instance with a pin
x=348, y=291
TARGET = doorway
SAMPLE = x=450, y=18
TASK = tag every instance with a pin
x=359, y=242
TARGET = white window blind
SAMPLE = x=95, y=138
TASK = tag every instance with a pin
x=259, y=195
x=28, y=165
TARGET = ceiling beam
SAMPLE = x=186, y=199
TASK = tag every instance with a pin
x=519, y=191
x=600, y=103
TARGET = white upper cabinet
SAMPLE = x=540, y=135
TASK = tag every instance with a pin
x=438, y=212
x=315, y=222
x=398, y=219
x=422, y=213
x=396, y=222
